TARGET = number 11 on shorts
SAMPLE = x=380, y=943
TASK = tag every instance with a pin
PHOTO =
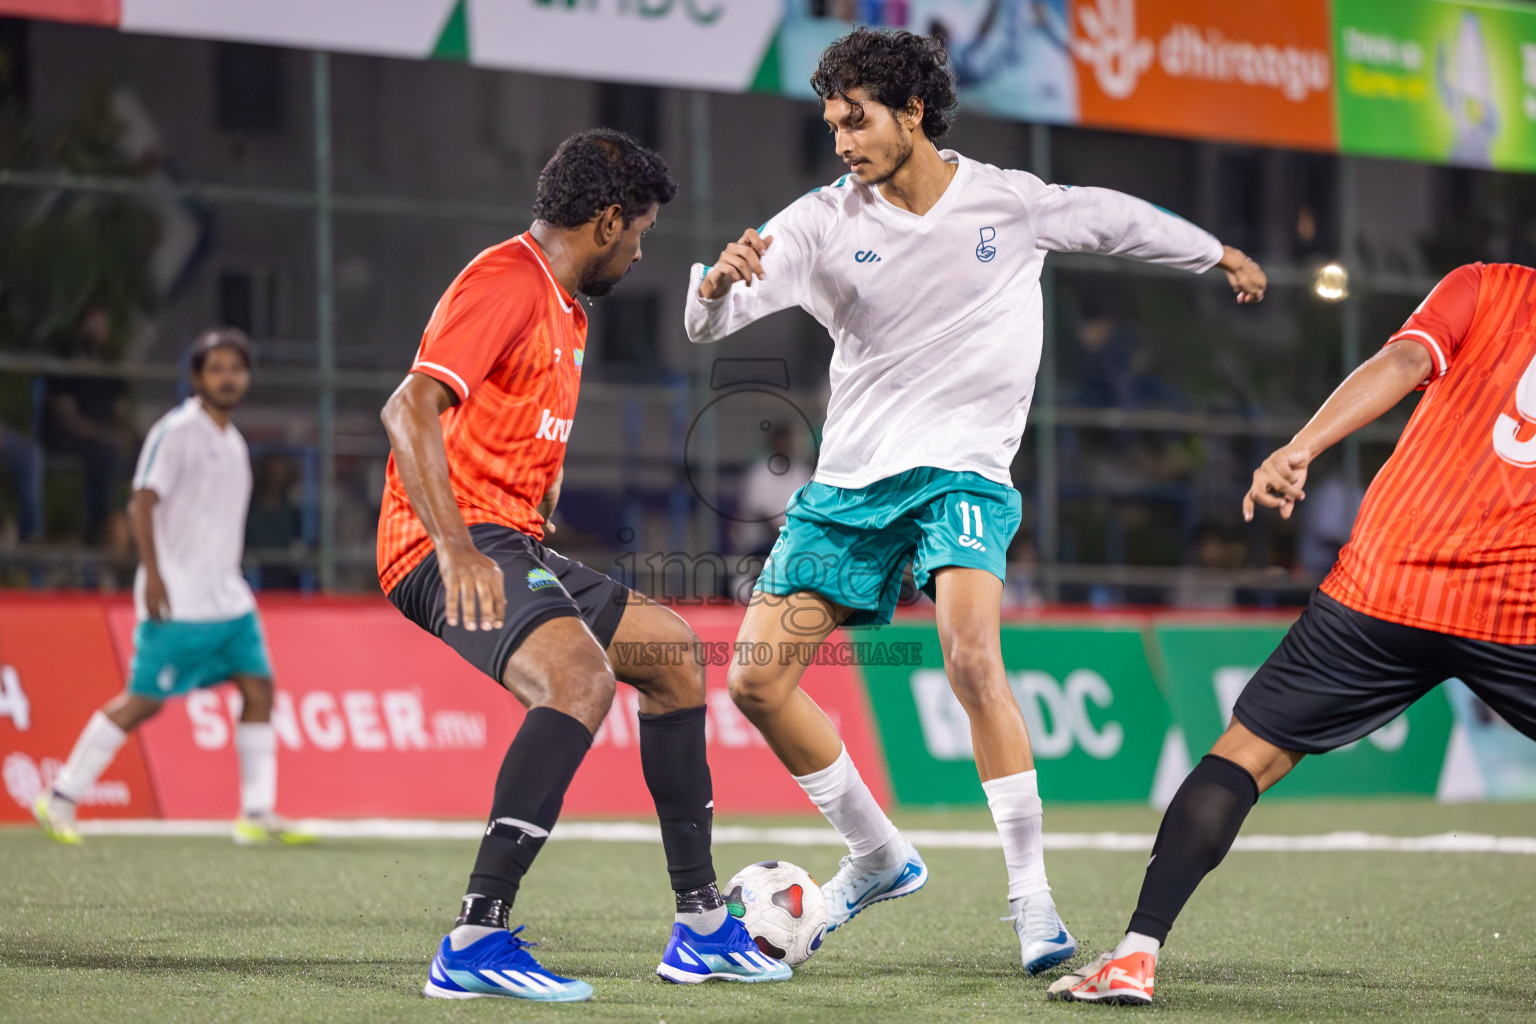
x=966, y=508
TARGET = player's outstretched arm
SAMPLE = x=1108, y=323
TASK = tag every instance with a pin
x=1101, y=220
x=412, y=419
x=759, y=274
x=1376, y=386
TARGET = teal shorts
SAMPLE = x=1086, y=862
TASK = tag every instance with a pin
x=171, y=659
x=852, y=545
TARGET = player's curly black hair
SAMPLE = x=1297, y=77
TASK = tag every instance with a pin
x=893, y=67
x=596, y=169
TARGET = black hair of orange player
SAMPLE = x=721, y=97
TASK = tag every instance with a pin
x=220, y=361
x=597, y=197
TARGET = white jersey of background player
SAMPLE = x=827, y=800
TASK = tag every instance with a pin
x=197, y=617
x=925, y=268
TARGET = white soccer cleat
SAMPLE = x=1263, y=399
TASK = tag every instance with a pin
x=853, y=888
x=1043, y=939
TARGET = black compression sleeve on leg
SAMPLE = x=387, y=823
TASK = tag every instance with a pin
x=530, y=789
x=676, y=769
x=1196, y=833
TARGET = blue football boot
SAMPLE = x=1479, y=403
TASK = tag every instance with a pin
x=727, y=953
x=498, y=965
x=1044, y=940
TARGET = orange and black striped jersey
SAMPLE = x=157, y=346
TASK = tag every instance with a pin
x=1446, y=537
x=508, y=341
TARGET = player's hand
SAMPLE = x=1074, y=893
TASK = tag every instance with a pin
x=156, y=602
x=551, y=499
x=1279, y=482
x=1247, y=278
x=741, y=261
x=471, y=579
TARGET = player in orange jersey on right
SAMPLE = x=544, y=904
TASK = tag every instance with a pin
x=1438, y=580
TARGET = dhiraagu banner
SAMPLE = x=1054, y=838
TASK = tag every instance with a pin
x=1206, y=667
x=1437, y=81
x=1095, y=716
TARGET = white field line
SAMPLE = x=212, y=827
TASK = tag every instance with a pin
x=637, y=832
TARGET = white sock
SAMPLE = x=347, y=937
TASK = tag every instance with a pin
x=257, y=744
x=98, y=744
x=1015, y=803
x=469, y=934
x=705, y=922
x=839, y=793
x=1136, y=942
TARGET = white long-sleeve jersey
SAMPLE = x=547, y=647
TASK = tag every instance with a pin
x=936, y=320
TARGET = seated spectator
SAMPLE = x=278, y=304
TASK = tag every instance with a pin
x=87, y=417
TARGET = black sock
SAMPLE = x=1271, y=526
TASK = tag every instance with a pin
x=530, y=788
x=676, y=768
x=1196, y=833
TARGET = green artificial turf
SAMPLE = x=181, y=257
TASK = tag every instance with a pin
x=158, y=929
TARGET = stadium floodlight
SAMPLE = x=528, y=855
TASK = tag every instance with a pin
x=1331, y=283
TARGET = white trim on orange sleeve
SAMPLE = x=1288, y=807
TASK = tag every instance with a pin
x=463, y=388
x=1434, y=346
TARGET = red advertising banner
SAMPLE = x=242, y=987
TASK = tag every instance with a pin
x=93, y=12
x=1259, y=73
x=377, y=718
x=57, y=666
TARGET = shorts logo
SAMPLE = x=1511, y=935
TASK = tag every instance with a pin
x=166, y=680
x=538, y=579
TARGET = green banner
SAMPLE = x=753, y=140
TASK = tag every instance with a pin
x=1096, y=717
x=1437, y=81
x=1207, y=667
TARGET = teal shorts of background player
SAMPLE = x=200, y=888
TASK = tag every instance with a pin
x=852, y=544
x=171, y=659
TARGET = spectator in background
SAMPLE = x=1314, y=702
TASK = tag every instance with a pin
x=275, y=523
x=1201, y=585
x=1113, y=366
x=1326, y=521
x=23, y=459
x=85, y=416
x=766, y=490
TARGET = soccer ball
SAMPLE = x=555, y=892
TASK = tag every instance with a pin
x=784, y=910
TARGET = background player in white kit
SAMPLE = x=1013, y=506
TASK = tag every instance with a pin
x=197, y=617
x=925, y=267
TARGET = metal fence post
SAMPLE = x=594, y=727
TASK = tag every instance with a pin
x=325, y=318
x=1047, y=535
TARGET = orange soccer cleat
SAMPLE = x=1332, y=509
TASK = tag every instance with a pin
x=1126, y=980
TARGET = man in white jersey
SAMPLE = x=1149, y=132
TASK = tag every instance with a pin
x=197, y=617
x=924, y=266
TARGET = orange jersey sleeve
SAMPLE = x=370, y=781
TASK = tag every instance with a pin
x=475, y=324
x=1444, y=319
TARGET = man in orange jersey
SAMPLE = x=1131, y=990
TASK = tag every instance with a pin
x=479, y=430
x=1438, y=580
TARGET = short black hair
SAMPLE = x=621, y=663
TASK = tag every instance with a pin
x=893, y=67
x=596, y=169
x=218, y=337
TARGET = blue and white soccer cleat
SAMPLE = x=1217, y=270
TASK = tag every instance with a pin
x=852, y=888
x=1043, y=939
x=498, y=965
x=727, y=953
